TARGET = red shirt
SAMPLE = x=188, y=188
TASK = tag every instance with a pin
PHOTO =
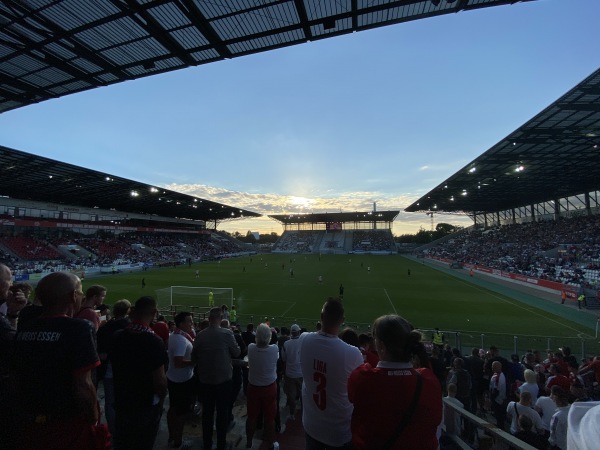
x=370, y=357
x=381, y=397
x=162, y=331
x=90, y=314
x=560, y=380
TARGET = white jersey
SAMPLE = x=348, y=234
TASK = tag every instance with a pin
x=326, y=363
x=546, y=408
x=514, y=410
x=179, y=346
x=291, y=356
x=262, y=364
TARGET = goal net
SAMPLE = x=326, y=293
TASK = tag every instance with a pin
x=193, y=296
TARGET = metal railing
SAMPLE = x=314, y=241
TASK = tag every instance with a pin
x=487, y=434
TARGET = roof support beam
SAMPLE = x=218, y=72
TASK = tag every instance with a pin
x=202, y=24
x=155, y=29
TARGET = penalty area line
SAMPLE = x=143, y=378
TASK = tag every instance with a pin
x=287, y=310
x=390, y=300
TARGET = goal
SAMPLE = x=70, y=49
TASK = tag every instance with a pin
x=193, y=296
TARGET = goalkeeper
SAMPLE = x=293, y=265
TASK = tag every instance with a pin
x=211, y=300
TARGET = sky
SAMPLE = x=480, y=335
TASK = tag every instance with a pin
x=383, y=115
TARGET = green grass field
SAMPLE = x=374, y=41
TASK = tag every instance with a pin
x=428, y=298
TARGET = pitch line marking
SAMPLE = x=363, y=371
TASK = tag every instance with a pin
x=390, y=300
x=287, y=310
x=518, y=305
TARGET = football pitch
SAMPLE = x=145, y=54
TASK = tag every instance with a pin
x=472, y=311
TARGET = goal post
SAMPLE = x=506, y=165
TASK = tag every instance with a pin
x=194, y=296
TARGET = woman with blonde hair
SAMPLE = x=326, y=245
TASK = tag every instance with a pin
x=530, y=384
x=262, y=387
x=395, y=405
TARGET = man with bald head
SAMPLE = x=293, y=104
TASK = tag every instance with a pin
x=55, y=354
x=10, y=305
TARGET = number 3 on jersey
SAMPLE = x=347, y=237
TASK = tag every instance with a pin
x=320, y=397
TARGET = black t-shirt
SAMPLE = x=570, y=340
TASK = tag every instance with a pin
x=49, y=351
x=107, y=331
x=29, y=313
x=134, y=357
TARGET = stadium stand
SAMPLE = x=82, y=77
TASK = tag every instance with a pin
x=565, y=251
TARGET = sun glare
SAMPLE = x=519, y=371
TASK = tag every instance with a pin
x=301, y=202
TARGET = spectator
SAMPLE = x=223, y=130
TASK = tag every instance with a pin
x=292, y=379
x=498, y=394
x=452, y=420
x=556, y=378
x=105, y=373
x=138, y=359
x=350, y=337
x=213, y=350
x=462, y=380
x=94, y=297
x=516, y=410
x=14, y=304
x=367, y=348
x=238, y=364
x=559, y=421
x=474, y=364
x=262, y=386
x=161, y=329
x=527, y=435
x=56, y=396
x=326, y=362
x=545, y=407
x=530, y=384
x=411, y=420
x=180, y=377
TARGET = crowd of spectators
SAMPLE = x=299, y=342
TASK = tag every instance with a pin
x=361, y=373
x=566, y=250
x=298, y=241
x=28, y=255
x=373, y=240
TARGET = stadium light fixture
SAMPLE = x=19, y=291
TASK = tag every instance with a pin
x=134, y=194
x=472, y=169
x=153, y=189
x=519, y=169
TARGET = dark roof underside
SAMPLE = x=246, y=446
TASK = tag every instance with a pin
x=554, y=155
x=369, y=216
x=51, y=48
x=28, y=177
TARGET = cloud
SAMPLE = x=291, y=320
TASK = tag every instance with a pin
x=271, y=204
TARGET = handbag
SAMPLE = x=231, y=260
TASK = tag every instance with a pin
x=407, y=415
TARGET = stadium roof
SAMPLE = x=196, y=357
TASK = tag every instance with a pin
x=51, y=48
x=554, y=155
x=29, y=177
x=368, y=216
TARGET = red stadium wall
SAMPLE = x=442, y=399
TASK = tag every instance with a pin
x=571, y=293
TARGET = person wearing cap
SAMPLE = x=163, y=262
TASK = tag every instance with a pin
x=292, y=378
